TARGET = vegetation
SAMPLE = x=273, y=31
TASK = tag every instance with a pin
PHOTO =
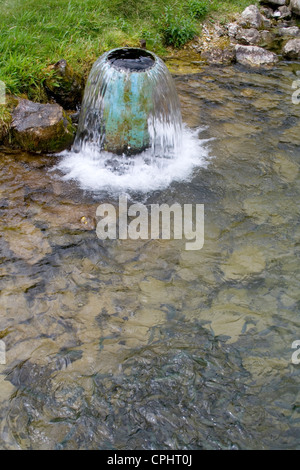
x=35, y=34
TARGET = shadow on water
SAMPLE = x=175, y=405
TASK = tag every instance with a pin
x=142, y=344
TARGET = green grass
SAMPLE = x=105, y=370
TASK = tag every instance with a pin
x=35, y=34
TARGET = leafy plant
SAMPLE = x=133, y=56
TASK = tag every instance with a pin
x=152, y=38
x=198, y=8
x=176, y=29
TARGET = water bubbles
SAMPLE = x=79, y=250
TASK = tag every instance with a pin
x=96, y=170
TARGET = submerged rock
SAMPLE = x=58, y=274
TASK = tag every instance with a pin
x=41, y=127
x=246, y=262
x=291, y=135
x=292, y=49
x=27, y=242
x=254, y=56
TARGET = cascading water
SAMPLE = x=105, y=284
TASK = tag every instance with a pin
x=130, y=133
x=130, y=104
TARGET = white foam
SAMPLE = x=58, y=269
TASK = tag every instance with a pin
x=98, y=171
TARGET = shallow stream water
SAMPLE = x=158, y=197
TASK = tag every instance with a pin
x=124, y=344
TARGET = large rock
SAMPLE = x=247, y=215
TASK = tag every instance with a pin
x=292, y=49
x=295, y=6
x=291, y=31
x=254, y=56
x=252, y=18
x=64, y=85
x=41, y=127
x=283, y=13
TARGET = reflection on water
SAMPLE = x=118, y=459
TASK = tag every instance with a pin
x=141, y=344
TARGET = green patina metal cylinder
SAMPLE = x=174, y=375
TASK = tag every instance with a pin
x=128, y=101
x=129, y=98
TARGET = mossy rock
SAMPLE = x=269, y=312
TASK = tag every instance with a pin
x=39, y=127
x=64, y=85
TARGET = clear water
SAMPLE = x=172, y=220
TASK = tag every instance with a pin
x=142, y=344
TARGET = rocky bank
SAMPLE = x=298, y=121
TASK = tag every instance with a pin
x=259, y=37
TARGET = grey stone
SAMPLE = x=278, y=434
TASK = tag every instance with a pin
x=267, y=12
x=266, y=23
x=219, y=56
x=251, y=18
x=254, y=56
x=248, y=36
x=266, y=38
x=292, y=31
x=295, y=6
x=285, y=12
x=292, y=49
x=232, y=29
x=219, y=31
x=41, y=127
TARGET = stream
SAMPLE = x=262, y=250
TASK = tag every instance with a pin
x=141, y=344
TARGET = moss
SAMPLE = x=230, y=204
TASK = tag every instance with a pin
x=64, y=137
x=6, y=117
x=4, y=333
x=64, y=85
x=5, y=120
x=222, y=43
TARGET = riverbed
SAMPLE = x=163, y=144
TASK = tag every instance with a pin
x=142, y=344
